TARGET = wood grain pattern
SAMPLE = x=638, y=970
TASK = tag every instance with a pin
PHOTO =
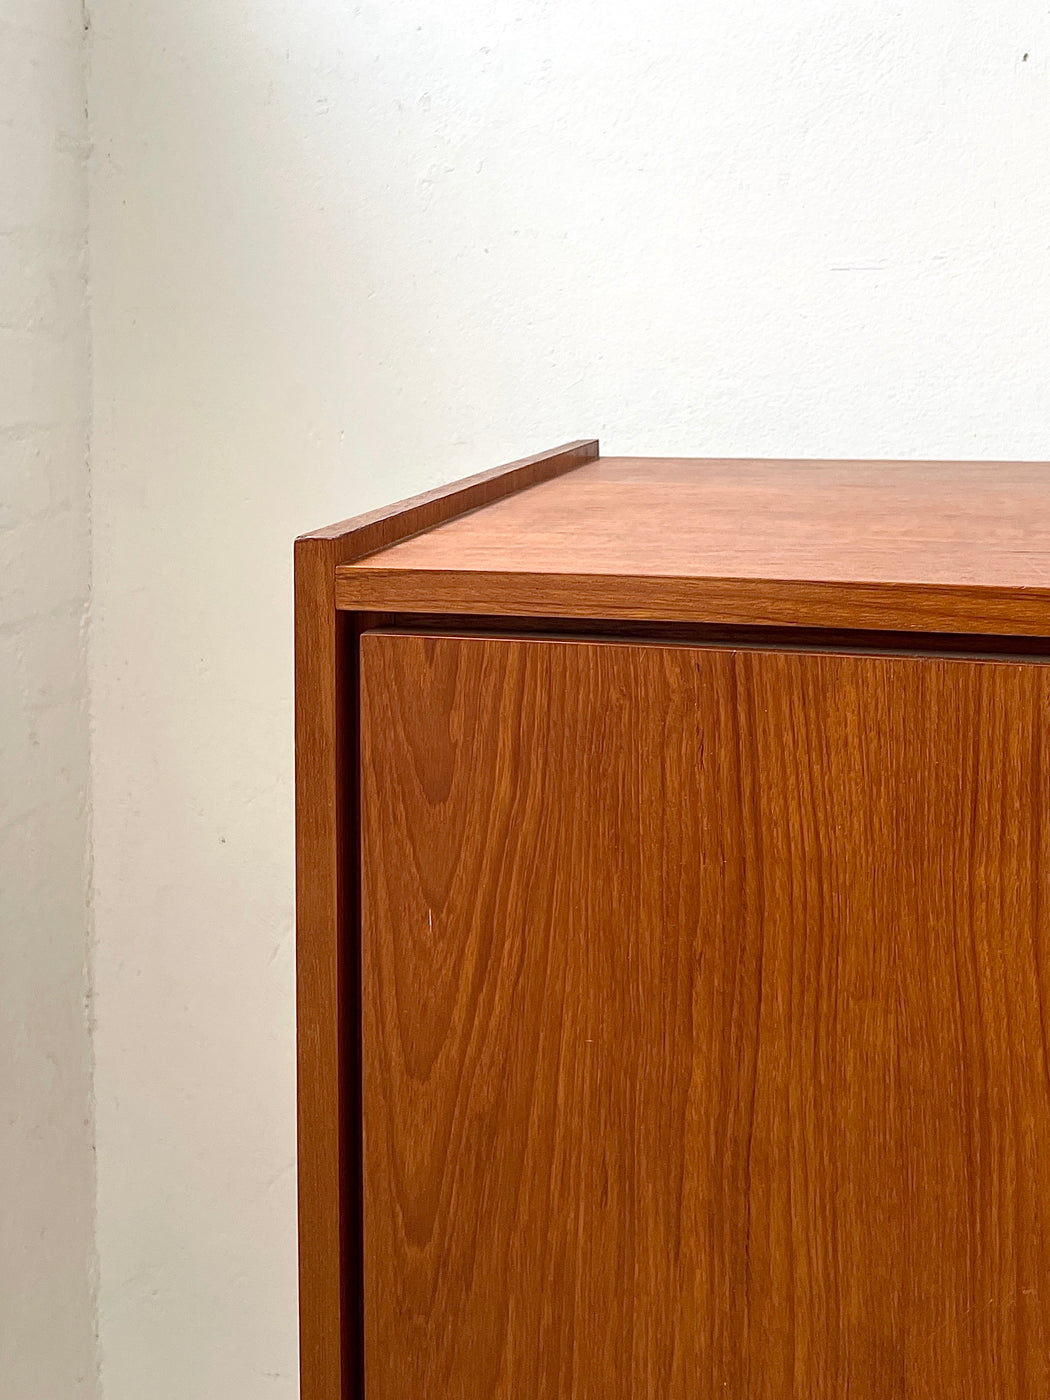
x=326, y=915
x=704, y=1003
x=949, y=546
x=730, y=602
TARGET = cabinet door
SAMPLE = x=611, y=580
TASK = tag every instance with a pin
x=704, y=1012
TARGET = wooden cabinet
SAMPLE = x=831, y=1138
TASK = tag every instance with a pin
x=674, y=877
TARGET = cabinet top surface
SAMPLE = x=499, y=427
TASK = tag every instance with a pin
x=972, y=530
x=977, y=523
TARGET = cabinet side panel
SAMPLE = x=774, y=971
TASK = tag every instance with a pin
x=702, y=1054
x=328, y=1190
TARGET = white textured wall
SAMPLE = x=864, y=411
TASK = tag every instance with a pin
x=47, y=1345
x=343, y=251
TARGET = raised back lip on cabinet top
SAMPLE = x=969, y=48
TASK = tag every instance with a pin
x=947, y=546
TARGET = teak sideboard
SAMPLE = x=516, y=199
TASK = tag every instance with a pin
x=674, y=934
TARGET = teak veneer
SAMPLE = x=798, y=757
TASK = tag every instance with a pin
x=912, y=546
x=673, y=877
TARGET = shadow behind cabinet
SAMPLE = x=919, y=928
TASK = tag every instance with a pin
x=672, y=883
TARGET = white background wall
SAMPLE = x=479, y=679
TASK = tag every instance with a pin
x=47, y=1187
x=342, y=251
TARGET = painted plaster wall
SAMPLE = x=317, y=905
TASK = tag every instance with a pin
x=344, y=251
x=47, y=1181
